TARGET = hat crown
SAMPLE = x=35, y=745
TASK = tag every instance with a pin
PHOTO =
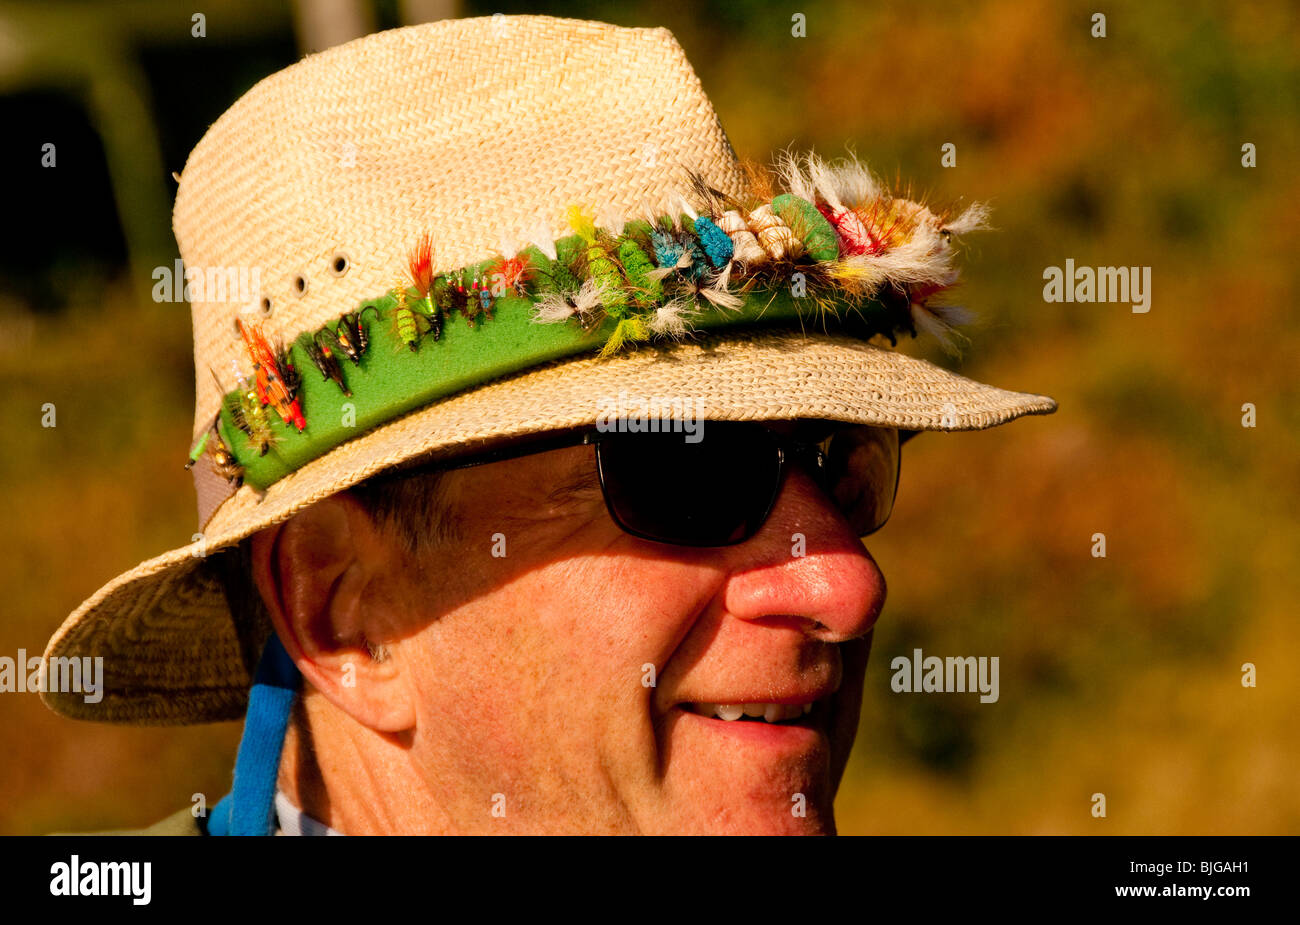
x=313, y=187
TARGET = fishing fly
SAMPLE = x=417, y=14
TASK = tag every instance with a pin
x=412, y=325
x=350, y=335
x=420, y=267
x=318, y=351
x=273, y=379
x=223, y=462
x=247, y=412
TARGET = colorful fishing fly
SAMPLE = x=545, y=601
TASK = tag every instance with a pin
x=247, y=413
x=510, y=273
x=223, y=461
x=411, y=325
x=421, y=270
x=465, y=300
x=351, y=334
x=272, y=382
x=449, y=296
x=479, y=298
x=317, y=349
x=292, y=378
x=198, y=450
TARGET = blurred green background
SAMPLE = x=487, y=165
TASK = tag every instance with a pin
x=1118, y=675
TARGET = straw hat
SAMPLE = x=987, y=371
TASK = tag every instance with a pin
x=567, y=188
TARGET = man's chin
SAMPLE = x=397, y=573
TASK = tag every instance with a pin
x=749, y=777
x=767, y=817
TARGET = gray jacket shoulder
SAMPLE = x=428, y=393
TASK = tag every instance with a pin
x=181, y=822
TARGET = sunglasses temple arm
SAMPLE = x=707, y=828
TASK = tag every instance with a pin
x=581, y=438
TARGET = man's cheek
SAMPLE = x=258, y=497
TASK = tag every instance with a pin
x=855, y=654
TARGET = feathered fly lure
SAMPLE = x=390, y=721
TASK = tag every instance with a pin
x=565, y=293
x=247, y=411
x=885, y=239
x=222, y=460
x=828, y=231
x=411, y=325
x=284, y=362
x=609, y=284
x=420, y=267
x=317, y=348
x=452, y=296
x=273, y=380
x=351, y=334
x=510, y=274
x=696, y=255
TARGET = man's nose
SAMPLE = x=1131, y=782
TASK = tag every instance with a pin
x=806, y=565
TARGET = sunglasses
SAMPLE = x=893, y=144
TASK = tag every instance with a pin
x=720, y=489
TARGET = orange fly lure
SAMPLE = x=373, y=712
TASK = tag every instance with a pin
x=421, y=270
x=273, y=382
x=510, y=273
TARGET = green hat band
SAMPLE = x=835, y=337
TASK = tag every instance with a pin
x=594, y=290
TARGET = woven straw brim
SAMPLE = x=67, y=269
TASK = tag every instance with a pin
x=171, y=654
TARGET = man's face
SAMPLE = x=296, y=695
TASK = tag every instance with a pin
x=567, y=675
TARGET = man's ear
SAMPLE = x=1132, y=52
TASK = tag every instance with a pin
x=313, y=572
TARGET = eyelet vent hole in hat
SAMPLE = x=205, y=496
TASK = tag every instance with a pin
x=266, y=306
x=340, y=263
x=299, y=285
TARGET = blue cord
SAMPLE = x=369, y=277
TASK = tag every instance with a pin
x=249, y=808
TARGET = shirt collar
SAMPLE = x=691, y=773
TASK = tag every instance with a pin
x=294, y=821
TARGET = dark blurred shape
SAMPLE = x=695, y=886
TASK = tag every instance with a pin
x=1079, y=204
x=84, y=77
x=322, y=24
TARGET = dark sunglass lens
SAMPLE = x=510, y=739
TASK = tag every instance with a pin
x=713, y=492
x=862, y=466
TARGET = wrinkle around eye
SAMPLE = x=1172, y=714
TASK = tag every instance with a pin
x=550, y=490
x=581, y=487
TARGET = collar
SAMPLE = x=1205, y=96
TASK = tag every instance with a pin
x=293, y=821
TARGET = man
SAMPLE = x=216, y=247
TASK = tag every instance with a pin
x=533, y=484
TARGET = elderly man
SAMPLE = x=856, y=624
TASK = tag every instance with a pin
x=533, y=482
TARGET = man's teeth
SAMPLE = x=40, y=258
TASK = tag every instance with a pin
x=771, y=712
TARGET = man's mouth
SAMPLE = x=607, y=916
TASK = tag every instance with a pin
x=794, y=724
x=775, y=713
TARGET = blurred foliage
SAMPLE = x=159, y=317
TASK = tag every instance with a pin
x=1118, y=675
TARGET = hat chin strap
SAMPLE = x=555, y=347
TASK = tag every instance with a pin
x=249, y=808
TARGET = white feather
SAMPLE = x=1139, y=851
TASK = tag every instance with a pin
x=843, y=184
x=975, y=218
x=551, y=308
x=939, y=322
x=792, y=176
x=823, y=178
x=611, y=218
x=721, y=297
x=685, y=206
x=723, y=280
x=540, y=235
x=590, y=297
x=682, y=263
x=672, y=318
